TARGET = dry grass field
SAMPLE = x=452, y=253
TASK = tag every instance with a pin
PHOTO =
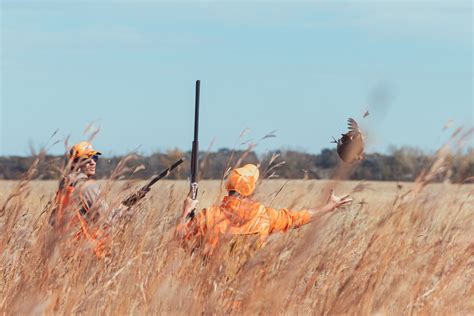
x=400, y=248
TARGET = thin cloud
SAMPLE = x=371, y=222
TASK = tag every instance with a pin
x=446, y=21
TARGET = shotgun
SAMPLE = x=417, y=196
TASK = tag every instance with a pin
x=140, y=194
x=193, y=191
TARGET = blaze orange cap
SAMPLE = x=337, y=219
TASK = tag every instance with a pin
x=83, y=149
x=242, y=180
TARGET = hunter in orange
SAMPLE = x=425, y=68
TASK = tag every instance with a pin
x=78, y=203
x=238, y=214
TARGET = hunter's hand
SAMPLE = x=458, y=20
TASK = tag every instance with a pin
x=335, y=201
x=189, y=205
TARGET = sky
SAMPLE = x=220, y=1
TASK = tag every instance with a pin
x=297, y=68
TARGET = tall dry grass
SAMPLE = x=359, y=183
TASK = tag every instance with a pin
x=399, y=249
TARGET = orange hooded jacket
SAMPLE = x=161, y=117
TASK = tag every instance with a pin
x=239, y=215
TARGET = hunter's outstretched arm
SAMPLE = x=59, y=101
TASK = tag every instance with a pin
x=333, y=203
x=270, y=220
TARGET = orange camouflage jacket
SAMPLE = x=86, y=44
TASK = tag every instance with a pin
x=240, y=216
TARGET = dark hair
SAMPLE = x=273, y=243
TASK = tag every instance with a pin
x=234, y=193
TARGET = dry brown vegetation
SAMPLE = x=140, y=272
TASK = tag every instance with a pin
x=398, y=249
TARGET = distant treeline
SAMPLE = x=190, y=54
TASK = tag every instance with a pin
x=402, y=164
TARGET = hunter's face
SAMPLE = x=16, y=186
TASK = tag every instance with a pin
x=89, y=166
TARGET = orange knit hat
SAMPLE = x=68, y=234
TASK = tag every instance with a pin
x=242, y=180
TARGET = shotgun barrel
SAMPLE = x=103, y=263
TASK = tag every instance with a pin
x=140, y=194
x=195, y=150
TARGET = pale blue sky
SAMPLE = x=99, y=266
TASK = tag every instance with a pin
x=299, y=68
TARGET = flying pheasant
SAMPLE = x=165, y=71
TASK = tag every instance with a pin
x=350, y=147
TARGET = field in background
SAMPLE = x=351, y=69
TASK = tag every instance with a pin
x=397, y=249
